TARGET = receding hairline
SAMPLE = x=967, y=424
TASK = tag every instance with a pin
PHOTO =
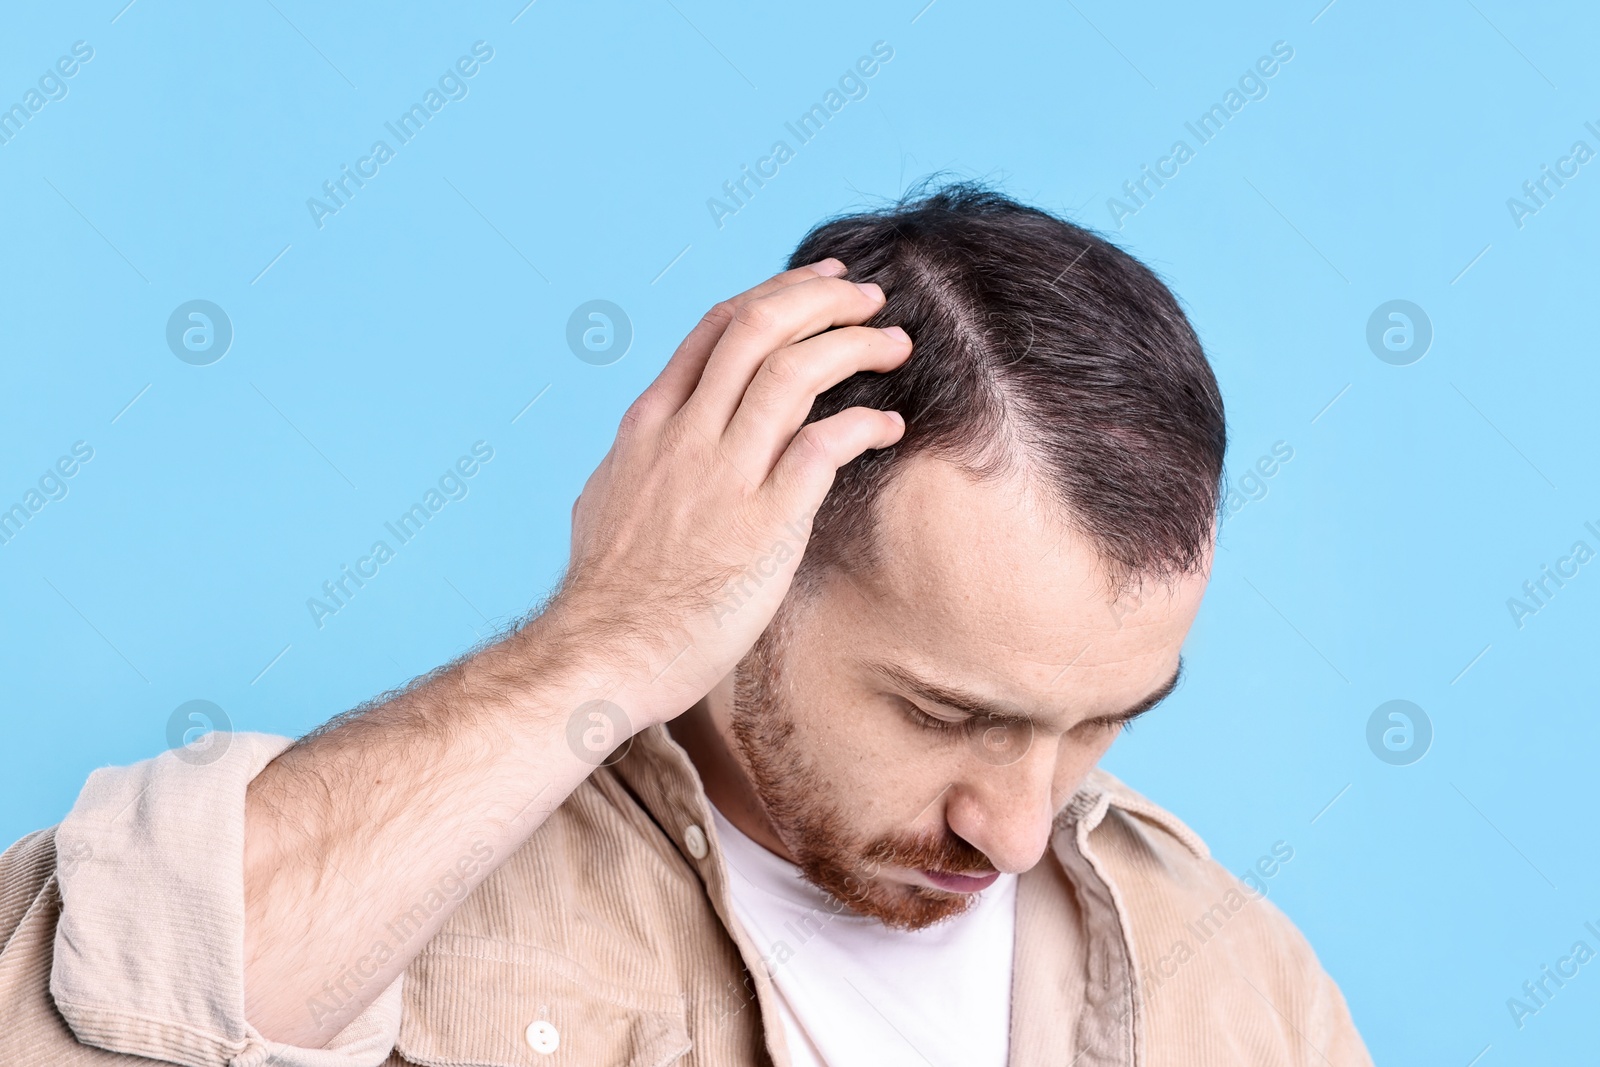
x=1038, y=343
x=990, y=463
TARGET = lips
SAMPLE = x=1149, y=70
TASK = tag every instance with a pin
x=961, y=883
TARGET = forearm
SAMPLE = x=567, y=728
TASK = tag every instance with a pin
x=711, y=468
x=427, y=793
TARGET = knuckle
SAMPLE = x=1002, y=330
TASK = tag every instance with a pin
x=646, y=410
x=785, y=369
x=719, y=316
x=675, y=437
x=756, y=316
x=811, y=444
x=632, y=419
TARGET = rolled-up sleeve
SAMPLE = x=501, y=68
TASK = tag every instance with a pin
x=146, y=897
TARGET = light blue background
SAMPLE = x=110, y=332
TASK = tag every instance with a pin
x=427, y=314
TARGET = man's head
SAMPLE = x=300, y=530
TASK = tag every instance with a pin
x=980, y=605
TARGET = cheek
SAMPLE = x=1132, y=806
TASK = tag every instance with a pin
x=883, y=770
x=881, y=767
x=1077, y=757
x=870, y=752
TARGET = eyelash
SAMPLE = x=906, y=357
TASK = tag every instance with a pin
x=937, y=725
x=929, y=722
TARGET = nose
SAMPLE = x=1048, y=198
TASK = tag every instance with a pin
x=1007, y=812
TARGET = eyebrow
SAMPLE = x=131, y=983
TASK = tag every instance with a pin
x=961, y=700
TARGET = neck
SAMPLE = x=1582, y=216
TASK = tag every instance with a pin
x=703, y=733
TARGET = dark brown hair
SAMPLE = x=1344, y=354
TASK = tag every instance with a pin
x=1039, y=346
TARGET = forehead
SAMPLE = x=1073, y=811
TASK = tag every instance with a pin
x=987, y=583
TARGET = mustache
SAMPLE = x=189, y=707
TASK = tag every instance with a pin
x=946, y=854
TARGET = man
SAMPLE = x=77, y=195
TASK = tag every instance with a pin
x=796, y=766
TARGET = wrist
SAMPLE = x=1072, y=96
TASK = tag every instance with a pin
x=576, y=654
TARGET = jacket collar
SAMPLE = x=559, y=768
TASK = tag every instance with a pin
x=1069, y=910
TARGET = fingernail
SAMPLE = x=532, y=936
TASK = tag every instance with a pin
x=897, y=333
x=897, y=417
x=871, y=289
x=828, y=268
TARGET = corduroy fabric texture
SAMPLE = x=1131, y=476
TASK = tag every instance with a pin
x=121, y=938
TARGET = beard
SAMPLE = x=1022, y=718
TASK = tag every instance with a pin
x=795, y=796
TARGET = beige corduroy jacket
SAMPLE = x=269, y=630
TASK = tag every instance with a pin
x=608, y=940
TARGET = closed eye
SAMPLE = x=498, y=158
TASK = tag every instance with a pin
x=975, y=710
x=1123, y=723
x=930, y=722
x=966, y=723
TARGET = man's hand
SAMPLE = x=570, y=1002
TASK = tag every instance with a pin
x=686, y=538
x=709, y=472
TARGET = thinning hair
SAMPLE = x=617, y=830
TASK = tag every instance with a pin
x=1039, y=347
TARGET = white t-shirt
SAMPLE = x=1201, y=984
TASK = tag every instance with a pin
x=855, y=993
